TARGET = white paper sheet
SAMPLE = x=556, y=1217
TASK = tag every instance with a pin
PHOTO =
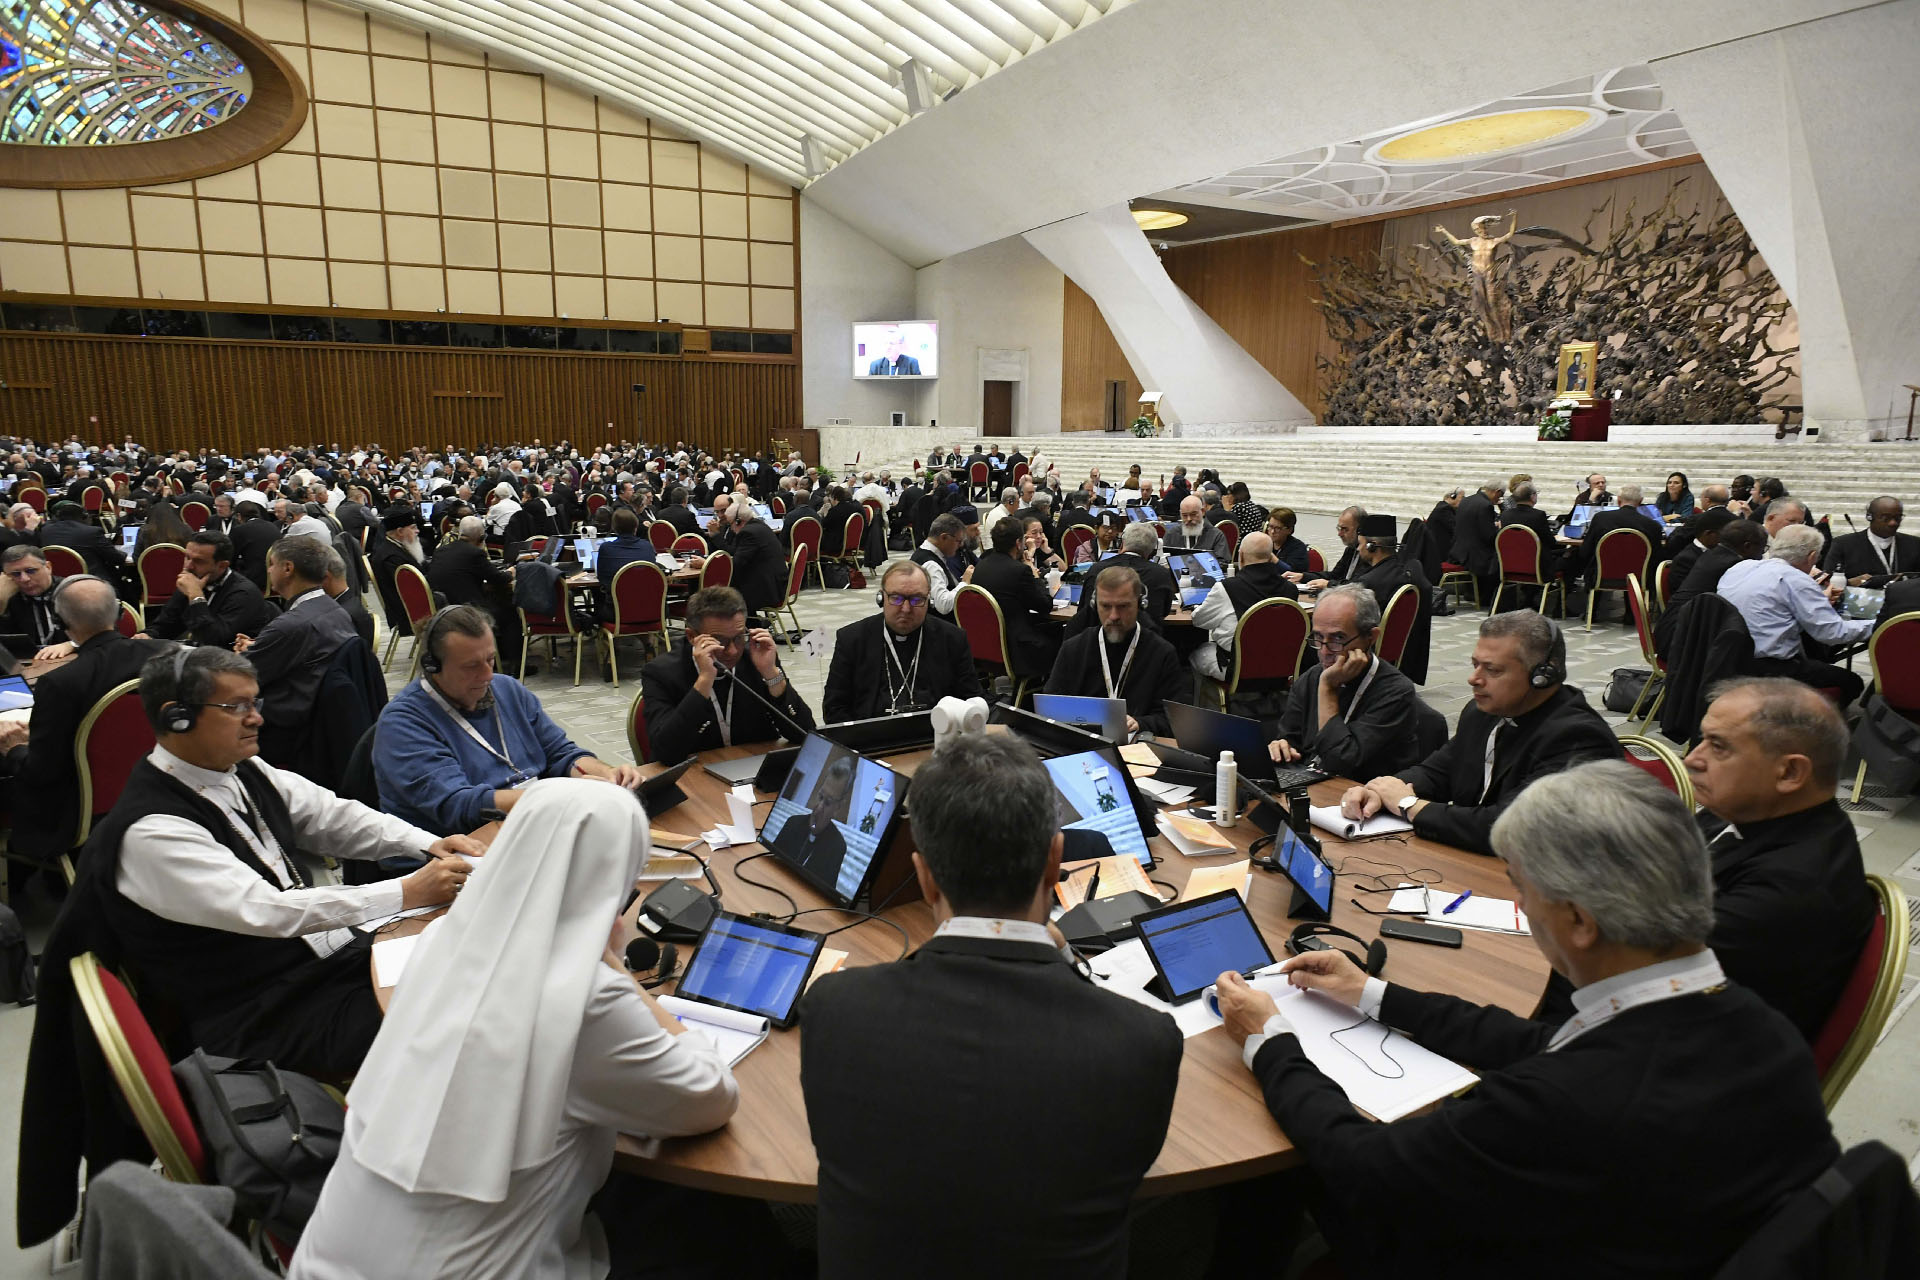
x=734, y=1033
x=390, y=956
x=1168, y=793
x=1488, y=915
x=1383, y=1073
x=1329, y=819
x=739, y=827
x=1126, y=971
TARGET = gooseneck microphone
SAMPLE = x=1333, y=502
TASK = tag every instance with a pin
x=800, y=730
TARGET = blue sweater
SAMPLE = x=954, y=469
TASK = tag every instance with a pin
x=433, y=774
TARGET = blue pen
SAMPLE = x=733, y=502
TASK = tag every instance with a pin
x=1448, y=909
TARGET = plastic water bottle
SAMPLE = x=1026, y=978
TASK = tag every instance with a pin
x=1226, y=791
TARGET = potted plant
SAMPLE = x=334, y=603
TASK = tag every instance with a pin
x=1145, y=426
x=1558, y=422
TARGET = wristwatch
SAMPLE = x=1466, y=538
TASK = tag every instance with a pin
x=1407, y=803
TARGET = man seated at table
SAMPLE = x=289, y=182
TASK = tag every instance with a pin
x=1625, y=516
x=1193, y=533
x=1524, y=723
x=1783, y=604
x=291, y=654
x=1735, y=540
x=464, y=738
x=935, y=555
x=1706, y=536
x=211, y=603
x=1294, y=555
x=1384, y=571
x=1526, y=513
x=460, y=572
x=1139, y=551
x=1258, y=577
x=895, y=1057
x=677, y=513
x=1122, y=657
x=397, y=546
x=1349, y=566
x=899, y=659
x=759, y=562
x=68, y=525
x=1011, y=574
x=1654, y=1132
x=339, y=589
x=28, y=625
x=1475, y=526
x=1872, y=556
x=616, y=553
x=40, y=751
x=1351, y=713
x=195, y=876
x=691, y=694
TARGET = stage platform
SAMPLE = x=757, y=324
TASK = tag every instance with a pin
x=1404, y=470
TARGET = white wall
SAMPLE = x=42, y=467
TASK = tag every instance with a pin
x=1001, y=297
x=845, y=277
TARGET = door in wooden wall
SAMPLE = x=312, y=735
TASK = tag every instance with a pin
x=996, y=408
x=1116, y=415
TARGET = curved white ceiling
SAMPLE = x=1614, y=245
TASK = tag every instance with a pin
x=756, y=76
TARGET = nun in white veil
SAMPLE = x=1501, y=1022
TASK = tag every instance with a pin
x=516, y=1049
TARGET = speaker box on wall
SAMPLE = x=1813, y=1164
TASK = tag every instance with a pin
x=898, y=419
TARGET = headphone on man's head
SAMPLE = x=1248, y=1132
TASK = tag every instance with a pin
x=430, y=656
x=1376, y=950
x=180, y=716
x=1553, y=671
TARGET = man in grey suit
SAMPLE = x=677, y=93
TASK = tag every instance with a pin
x=291, y=655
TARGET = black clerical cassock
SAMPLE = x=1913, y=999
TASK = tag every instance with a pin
x=1142, y=668
x=875, y=672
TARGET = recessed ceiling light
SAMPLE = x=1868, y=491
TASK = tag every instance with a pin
x=1158, y=219
x=1478, y=137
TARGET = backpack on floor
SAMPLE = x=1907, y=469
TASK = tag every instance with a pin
x=271, y=1135
x=1625, y=688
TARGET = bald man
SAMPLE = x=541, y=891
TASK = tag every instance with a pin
x=1259, y=578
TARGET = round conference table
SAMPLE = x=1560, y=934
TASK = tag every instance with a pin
x=1220, y=1131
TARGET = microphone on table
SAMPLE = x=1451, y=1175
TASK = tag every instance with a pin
x=644, y=955
x=800, y=730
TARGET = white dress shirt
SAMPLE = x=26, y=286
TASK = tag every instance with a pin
x=1217, y=616
x=1780, y=602
x=940, y=592
x=629, y=1076
x=178, y=870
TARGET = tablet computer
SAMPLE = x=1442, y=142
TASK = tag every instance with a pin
x=1195, y=563
x=835, y=812
x=1194, y=597
x=1068, y=594
x=1092, y=793
x=1104, y=716
x=661, y=792
x=1192, y=943
x=1311, y=876
x=754, y=966
x=15, y=693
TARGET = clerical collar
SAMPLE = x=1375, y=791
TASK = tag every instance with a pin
x=989, y=927
x=1786, y=821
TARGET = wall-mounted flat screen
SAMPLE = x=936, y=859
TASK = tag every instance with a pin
x=896, y=349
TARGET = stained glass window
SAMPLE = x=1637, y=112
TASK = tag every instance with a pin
x=110, y=71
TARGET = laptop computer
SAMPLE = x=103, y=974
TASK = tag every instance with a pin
x=1092, y=790
x=1192, y=597
x=1104, y=716
x=1195, y=563
x=883, y=735
x=1068, y=594
x=1142, y=514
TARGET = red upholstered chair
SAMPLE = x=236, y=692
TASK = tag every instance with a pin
x=777, y=504
x=1662, y=586
x=93, y=497
x=1867, y=1000
x=977, y=480
x=1519, y=550
x=805, y=532
x=1894, y=651
x=1230, y=529
x=1070, y=541
x=139, y=1066
x=978, y=614
x=417, y=597
x=1316, y=563
x=196, y=515
x=1660, y=760
x=34, y=496
x=65, y=562
x=689, y=544
x=637, y=730
x=595, y=501
x=1396, y=623
x=550, y=627
x=112, y=738
x=1622, y=554
x=796, y=580
x=159, y=566
x=1269, y=644
x=1643, y=627
x=852, y=549
x=1020, y=472
x=716, y=572
x=1459, y=573
x=639, y=594
x=129, y=623
x=661, y=534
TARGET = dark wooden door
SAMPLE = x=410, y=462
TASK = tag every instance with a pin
x=1116, y=404
x=996, y=408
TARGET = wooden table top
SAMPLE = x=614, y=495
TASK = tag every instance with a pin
x=33, y=668
x=583, y=579
x=1221, y=1130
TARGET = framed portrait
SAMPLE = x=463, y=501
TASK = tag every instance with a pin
x=1576, y=379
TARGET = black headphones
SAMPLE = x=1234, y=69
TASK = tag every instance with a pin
x=429, y=656
x=1554, y=670
x=1376, y=950
x=180, y=716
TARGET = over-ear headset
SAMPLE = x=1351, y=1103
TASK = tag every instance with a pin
x=180, y=716
x=1376, y=950
x=430, y=656
x=1554, y=670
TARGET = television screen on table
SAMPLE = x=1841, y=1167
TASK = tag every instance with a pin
x=896, y=349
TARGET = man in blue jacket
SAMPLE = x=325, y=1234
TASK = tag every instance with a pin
x=464, y=738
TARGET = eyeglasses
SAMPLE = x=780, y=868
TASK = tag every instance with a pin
x=257, y=706
x=906, y=602
x=24, y=573
x=1333, y=643
x=733, y=642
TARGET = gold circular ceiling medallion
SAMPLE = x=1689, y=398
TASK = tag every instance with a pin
x=1481, y=136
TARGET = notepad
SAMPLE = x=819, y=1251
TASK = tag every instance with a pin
x=1126, y=970
x=1236, y=876
x=733, y=1033
x=1194, y=837
x=1118, y=874
x=1491, y=915
x=1162, y=792
x=1329, y=819
x=390, y=956
x=1382, y=1072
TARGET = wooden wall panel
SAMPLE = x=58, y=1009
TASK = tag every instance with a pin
x=1257, y=288
x=1089, y=358
x=183, y=393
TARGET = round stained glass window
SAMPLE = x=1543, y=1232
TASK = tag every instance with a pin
x=111, y=71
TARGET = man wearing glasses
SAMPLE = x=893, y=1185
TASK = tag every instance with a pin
x=28, y=624
x=899, y=659
x=1352, y=713
x=192, y=880
x=691, y=696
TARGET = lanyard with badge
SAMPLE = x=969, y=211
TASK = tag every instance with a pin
x=1373, y=669
x=519, y=776
x=1707, y=976
x=1106, y=668
x=908, y=674
x=724, y=715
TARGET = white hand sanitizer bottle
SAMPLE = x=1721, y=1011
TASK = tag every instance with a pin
x=1226, y=791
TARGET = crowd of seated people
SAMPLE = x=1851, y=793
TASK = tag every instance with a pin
x=202, y=884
